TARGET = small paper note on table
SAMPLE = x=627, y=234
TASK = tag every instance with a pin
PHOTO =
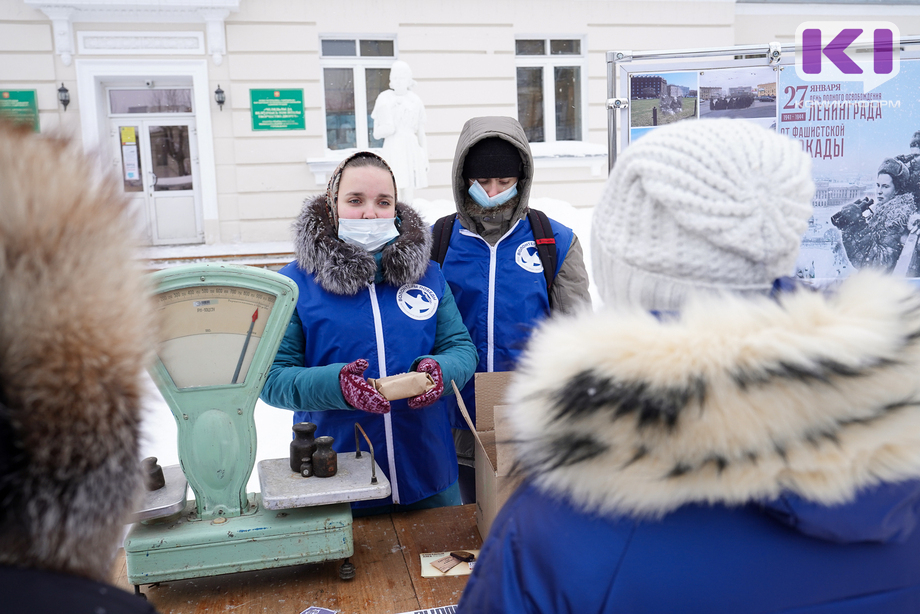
x=430, y=571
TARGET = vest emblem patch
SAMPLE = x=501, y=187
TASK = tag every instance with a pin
x=528, y=258
x=417, y=302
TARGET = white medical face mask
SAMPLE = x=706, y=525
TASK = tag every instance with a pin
x=481, y=197
x=372, y=235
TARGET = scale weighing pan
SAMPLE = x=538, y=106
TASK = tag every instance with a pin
x=220, y=328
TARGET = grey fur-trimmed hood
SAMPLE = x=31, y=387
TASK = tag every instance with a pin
x=734, y=401
x=77, y=330
x=345, y=269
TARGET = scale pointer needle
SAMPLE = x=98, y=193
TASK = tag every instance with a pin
x=239, y=365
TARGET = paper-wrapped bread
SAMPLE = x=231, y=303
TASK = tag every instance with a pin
x=403, y=385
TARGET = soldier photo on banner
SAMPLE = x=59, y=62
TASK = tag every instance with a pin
x=865, y=150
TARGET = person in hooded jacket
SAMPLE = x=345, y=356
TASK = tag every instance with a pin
x=912, y=161
x=372, y=304
x=701, y=446
x=492, y=264
x=76, y=332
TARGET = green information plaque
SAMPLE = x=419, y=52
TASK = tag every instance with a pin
x=277, y=109
x=20, y=106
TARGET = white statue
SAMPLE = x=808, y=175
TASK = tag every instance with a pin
x=399, y=119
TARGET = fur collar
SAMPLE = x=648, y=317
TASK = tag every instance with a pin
x=501, y=218
x=71, y=395
x=893, y=213
x=476, y=210
x=341, y=268
x=734, y=401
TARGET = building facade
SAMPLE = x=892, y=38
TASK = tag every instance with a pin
x=710, y=92
x=647, y=86
x=221, y=116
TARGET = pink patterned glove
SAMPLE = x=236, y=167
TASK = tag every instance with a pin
x=357, y=392
x=432, y=368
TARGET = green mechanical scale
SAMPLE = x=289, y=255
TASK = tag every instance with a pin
x=220, y=328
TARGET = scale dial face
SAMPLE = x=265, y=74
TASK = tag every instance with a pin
x=209, y=334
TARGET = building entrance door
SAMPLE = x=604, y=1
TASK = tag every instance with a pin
x=158, y=156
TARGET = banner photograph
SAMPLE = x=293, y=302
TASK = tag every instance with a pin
x=865, y=150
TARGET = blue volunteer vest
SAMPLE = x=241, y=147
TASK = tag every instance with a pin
x=509, y=300
x=401, y=322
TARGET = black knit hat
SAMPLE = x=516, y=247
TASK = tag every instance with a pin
x=492, y=157
x=915, y=140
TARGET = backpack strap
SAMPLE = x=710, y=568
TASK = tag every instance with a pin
x=546, y=247
x=441, y=231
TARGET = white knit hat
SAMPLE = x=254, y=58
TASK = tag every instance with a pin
x=716, y=204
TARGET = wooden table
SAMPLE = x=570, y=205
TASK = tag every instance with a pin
x=388, y=573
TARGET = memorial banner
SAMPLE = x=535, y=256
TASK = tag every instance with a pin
x=865, y=150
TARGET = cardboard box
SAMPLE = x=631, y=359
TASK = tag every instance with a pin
x=494, y=457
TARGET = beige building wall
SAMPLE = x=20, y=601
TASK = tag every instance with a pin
x=463, y=61
x=27, y=60
x=762, y=22
x=462, y=57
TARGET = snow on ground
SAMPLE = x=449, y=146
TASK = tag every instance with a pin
x=273, y=425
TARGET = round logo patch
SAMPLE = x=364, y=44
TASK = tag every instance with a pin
x=417, y=302
x=528, y=258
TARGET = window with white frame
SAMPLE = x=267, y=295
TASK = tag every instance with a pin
x=355, y=71
x=551, y=76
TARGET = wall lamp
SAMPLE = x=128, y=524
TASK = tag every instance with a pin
x=64, y=96
x=219, y=97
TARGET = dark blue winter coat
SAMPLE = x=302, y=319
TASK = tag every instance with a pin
x=545, y=555
x=744, y=456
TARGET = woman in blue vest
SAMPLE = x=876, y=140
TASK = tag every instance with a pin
x=492, y=263
x=372, y=304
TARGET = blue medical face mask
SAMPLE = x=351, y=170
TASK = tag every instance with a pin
x=372, y=235
x=481, y=197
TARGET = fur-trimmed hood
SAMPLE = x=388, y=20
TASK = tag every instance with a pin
x=736, y=400
x=76, y=331
x=345, y=269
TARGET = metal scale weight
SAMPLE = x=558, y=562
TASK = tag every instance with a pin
x=221, y=326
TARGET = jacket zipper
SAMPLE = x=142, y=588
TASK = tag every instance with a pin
x=493, y=257
x=387, y=418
